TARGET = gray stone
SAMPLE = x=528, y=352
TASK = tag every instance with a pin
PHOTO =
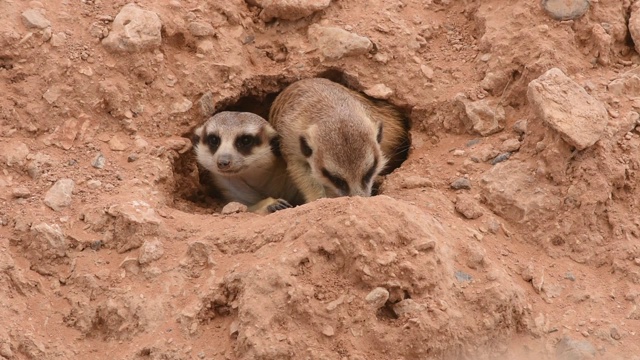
x=59, y=195
x=98, y=161
x=461, y=183
x=33, y=18
x=500, y=158
x=481, y=117
x=335, y=43
x=565, y=9
x=290, y=9
x=570, y=349
x=150, y=251
x=567, y=108
x=377, y=297
x=462, y=276
x=133, y=30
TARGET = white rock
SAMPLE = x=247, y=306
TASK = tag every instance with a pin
x=335, y=43
x=150, y=251
x=379, y=91
x=49, y=240
x=33, y=18
x=201, y=29
x=14, y=153
x=567, y=108
x=134, y=29
x=481, y=117
x=181, y=106
x=290, y=9
x=59, y=195
x=378, y=297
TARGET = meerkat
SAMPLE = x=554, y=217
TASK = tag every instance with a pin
x=334, y=140
x=241, y=153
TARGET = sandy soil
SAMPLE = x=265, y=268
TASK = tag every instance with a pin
x=110, y=250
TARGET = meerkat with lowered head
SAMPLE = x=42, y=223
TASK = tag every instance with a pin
x=241, y=153
x=334, y=140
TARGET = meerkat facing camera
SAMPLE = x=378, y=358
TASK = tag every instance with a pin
x=334, y=140
x=240, y=151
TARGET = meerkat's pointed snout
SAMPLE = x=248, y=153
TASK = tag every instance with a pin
x=224, y=161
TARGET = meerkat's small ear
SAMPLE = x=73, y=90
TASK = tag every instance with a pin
x=379, y=136
x=195, y=136
x=275, y=146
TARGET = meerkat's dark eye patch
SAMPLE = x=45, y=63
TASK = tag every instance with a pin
x=213, y=141
x=336, y=180
x=304, y=147
x=244, y=143
x=379, y=137
x=367, y=177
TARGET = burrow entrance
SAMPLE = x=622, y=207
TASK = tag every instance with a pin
x=256, y=96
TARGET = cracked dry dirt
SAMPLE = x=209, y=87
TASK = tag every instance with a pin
x=504, y=235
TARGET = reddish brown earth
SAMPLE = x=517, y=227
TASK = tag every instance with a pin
x=539, y=257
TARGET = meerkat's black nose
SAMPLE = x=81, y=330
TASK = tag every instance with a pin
x=224, y=163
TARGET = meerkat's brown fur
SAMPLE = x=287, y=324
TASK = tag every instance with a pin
x=336, y=141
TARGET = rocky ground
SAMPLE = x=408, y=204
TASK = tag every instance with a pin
x=511, y=231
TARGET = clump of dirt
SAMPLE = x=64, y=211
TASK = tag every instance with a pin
x=509, y=232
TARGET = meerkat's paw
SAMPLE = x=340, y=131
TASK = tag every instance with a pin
x=279, y=204
x=269, y=205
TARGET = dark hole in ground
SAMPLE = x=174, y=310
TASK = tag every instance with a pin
x=257, y=96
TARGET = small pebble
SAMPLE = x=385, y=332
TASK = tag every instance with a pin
x=94, y=184
x=132, y=157
x=96, y=245
x=426, y=246
x=461, y=183
x=21, y=192
x=233, y=207
x=520, y=127
x=569, y=276
x=615, y=334
x=458, y=152
x=327, y=330
x=463, y=276
x=510, y=145
x=500, y=158
x=378, y=297
x=99, y=161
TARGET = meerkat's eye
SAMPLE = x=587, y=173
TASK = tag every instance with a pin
x=336, y=180
x=245, y=141
x=367, y=177
x=379, y=137
x=213, y=141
